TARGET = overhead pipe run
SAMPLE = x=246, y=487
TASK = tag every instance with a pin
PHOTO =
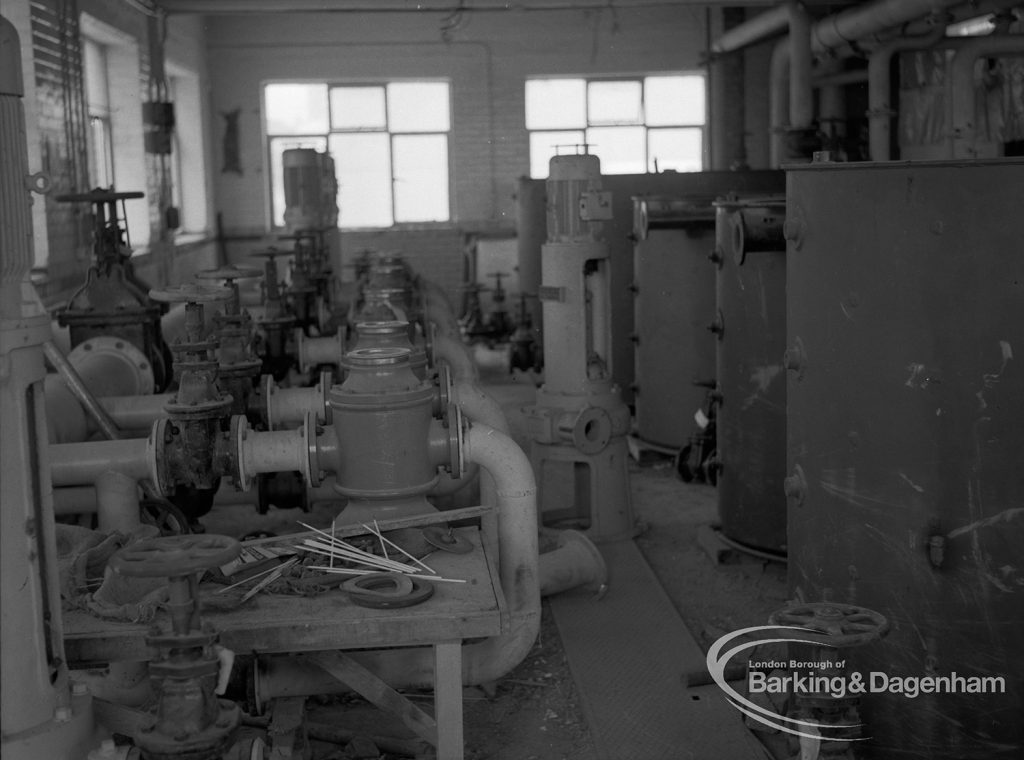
x=836, y=30
x=960, y=89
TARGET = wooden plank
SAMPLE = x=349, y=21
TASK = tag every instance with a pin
x=448, y=699
x=270, y=623
x=364, y=681
x=286, y=731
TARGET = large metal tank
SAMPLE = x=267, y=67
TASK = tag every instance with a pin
x=905, y=326
x=674, y=291
x=750, y=328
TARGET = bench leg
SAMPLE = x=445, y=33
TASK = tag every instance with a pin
x=448, y=699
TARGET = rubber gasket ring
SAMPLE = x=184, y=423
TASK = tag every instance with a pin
x=421, y=591
x=380, y=584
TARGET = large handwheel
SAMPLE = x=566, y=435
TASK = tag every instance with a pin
x=175, y=556
x=834, y=624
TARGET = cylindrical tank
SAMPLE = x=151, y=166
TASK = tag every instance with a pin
x=750, y=328
x=905, y=327
x=674, y=291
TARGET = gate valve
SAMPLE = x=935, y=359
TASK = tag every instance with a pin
x=194, y=363
x=239, y=366
x=188, y=720
x=191, y=442
x=275, y=311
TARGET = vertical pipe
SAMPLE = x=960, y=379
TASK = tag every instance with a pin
x=117, y=499
x=778, y=100
x=801, y=96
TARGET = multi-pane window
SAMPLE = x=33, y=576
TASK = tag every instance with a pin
x=97, y=103
x=634, y=124
x=389, y=143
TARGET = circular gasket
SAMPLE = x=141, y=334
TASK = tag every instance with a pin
x=387, y=585
x=421, y=591
x=445, y=540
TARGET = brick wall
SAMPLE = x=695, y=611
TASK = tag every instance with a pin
x=61, y=125
x=487, y=58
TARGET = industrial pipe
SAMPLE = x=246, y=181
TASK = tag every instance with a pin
x=117, y=499
x=482, y=661
x=576, y=562
x=753, y=30
x=801, y=102
x=314, y=352
x=136, y=412
x=287, y=407
x=960, y=90
x=454, y=353
x=838, y=29
x=76, y=464
x=440, y=314
x=778, y=90
x=880, y=113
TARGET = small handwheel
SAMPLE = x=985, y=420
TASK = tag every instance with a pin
x=174, y=556
x=191, y=293
x=843, y=625
x=229, y=272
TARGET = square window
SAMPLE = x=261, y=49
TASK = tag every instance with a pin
x=421, y=178
x=556, y=104
x=613, y=103
x=358, y=108
x=621, y=149
x=363, y=165
x=418, y=107
x=296, y=109
x=670, y=101
x=678, y=150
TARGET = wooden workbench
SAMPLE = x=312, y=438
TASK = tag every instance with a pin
x=328, y=622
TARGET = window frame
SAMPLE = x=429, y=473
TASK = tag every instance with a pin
x=591, y=124
x=274, y=214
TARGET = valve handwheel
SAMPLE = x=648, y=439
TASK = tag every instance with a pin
x=191, y=293
x=229, y=273
x=843, y=625
x=175, y=556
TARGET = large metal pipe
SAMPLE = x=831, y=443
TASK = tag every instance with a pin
x=880, y=113
x=81, y=392
x=960, y=90
x=117, y=499
x=136, y=412
x=778, y=89
x=78, y=464
x=836, y=30
x=758, y=28
x=801, y=100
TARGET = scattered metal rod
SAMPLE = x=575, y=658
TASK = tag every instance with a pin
x=415, y=521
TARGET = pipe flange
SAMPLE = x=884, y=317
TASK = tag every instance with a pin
x=106, y=347
x=455, y=425
x=592, y=430
x=269, y=388
x=447, y=540
x=310, y=462
x=445, y=387
x=239, y=432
